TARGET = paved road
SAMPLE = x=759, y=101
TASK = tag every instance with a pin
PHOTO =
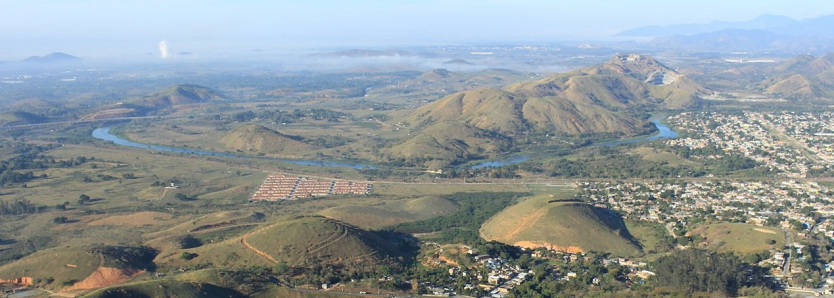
x=786, y=271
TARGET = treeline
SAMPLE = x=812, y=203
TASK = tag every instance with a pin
x=462, y=226
x=29, y=156
x=18, y=207
x=281, y=116
x=615, y=163
x=696, y=270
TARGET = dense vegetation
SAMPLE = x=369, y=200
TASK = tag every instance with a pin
x=695, y=270
x=462, y=226
x=687, y=273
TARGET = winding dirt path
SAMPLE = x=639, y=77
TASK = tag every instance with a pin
x=255, y=250
x=525, y=222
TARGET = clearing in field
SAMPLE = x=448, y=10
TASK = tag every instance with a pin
x=739, y=237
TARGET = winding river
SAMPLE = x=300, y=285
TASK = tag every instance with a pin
x=104, y=134
x=664, y=132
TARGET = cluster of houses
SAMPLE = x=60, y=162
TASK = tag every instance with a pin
x=749, y=134
x=502, y=277
x=753, y=201
x=284, y=187
x=815, y=131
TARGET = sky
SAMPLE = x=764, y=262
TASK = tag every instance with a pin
x=128, y=27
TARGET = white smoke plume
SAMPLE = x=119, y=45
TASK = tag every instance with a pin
x=163, y=49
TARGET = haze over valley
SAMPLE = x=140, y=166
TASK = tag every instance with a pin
x=416, y=149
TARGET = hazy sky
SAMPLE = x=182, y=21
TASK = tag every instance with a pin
x=117, y=27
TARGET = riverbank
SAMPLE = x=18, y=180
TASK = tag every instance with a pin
x=105, y=135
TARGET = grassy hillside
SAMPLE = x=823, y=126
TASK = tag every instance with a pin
x=62, y=267
x=484, y=108
x=389, y=213
x=208, y=222
x=803, y=77
x=317, y=240
x=624, y=81
x=256, y=138
x=165, y=288
x=442, y=143
x=565, y=225
x=796, y=86
x=178, y=95
x=738, y=237
x=563, y=115
x=164, y=100
x=300, y=242
x=602, y=99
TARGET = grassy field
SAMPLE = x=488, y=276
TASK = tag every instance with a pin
x=391, y=212
x=655, y=155
x=412, y=190
x=739, y=238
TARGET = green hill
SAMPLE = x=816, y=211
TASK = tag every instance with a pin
x=178, y=95
x=563, y=225
x=444, y=142
x=318, y=240
x=390, y=213
x=256, y=138
x=485, y=109
x=437, y=75
x=163, y=101
x=300, y=242
x=165, y=288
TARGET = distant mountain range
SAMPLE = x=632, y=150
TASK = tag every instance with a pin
x=767, y=32
x=56, y=57
x=761, y=22
x=357, y=53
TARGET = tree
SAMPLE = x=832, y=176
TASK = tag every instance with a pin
x=60, y=220
x=187, y=255
x=84, y=197
x=281, y=268
x=189, y=241
x=183, y=197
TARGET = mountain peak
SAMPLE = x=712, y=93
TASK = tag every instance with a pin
x=634, y=59
x=641, y=67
